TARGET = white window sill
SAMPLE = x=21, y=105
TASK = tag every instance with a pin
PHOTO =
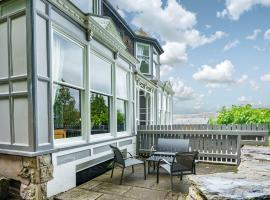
x=123, y=134
x=100, y=137
x=62, y=143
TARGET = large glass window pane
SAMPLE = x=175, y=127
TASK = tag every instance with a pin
x=67, y=61
x=3, y=50
x=143, y=50
x=100, y=68
x=67, y=112
x=18, y=40
x=100, y=114
x=121, y=115
x=143, y=54
x=121, y=83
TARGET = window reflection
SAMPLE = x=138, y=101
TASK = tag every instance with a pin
x=67, y=61
x=100, y=114
x=143, y=54
x=121, y=115
x=67, y=112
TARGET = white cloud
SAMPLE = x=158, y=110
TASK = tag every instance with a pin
x=231, y=45
x=243, y=99
x=254, y=35
x=208, y=26
x=174, y=53
x=172, y=24
x=220, y=74
x=254, y=85
x=259, y=48
x=265, y=77
x=195, y=39
x=235, y=8
x=242, y=79
x=165, y=70
x=267, y=35
x=182, y=92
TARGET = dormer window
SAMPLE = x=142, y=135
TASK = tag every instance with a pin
x=143, y=54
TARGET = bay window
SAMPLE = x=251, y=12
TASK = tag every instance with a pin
x=122, y=80
x=101, y=94
x=143, y=55
x=67, y=71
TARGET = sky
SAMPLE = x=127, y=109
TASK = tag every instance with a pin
x=217, y=52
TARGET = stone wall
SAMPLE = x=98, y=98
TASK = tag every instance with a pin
x=33, y=173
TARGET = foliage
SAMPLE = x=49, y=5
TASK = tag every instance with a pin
x=65, y=111
x=99, y=111
x=242, y=115
x=120, y=118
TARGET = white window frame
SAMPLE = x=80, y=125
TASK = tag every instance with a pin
x=127, y=132
x=81, y=139
x=149, y=57
x=104, y=136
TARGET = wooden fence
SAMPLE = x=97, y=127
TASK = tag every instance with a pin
x=215, y=143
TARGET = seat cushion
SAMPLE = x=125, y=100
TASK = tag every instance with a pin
x=177, y=168
x=132, y=161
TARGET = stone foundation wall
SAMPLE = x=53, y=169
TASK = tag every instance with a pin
x=33, y=173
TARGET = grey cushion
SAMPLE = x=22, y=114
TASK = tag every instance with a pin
x=173, y=145
x=132, y=161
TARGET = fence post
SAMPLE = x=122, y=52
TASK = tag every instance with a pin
x=239, y=148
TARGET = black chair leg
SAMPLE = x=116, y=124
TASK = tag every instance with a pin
x=158, y=175
x=144, y=165
x=171, y=181
x=181, y=177
x=112, y=170
x=148, y=167
x=132, y=169
x=121, y=181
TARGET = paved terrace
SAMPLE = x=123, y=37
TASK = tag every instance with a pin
x=135, y=187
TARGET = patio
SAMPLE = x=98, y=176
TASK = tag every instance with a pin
x=135, y=187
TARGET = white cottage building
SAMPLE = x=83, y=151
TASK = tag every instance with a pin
x=74, y=78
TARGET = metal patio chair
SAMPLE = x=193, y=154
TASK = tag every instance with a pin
x=183, y=163
x=125, y=162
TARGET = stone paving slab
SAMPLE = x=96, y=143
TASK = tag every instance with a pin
x=78, y=194
x=135, y=187
x=109, y=188
x=144, y=193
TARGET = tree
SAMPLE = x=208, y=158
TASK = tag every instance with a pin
x=99, y=111
x=65, y=111
x=242, y=115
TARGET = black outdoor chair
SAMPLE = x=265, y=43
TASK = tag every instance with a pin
x=183, y=163
x=125, y=162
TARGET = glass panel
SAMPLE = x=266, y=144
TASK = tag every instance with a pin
x=67, y=61
x=5, y=121
x=144, y=66
x=84, y=5
x=4, y=88
x=67, y=112
x=121, y=115
x=21, y=121
x=20, y=86
x=121, y=83
x=100, y=114
x=143, y=50
x=41, y=6
x=98, y=68
x=41, y=30
x=18, y=39
x=43, y=113
x=3, y=50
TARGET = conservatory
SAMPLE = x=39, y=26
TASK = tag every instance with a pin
x=69, y=88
